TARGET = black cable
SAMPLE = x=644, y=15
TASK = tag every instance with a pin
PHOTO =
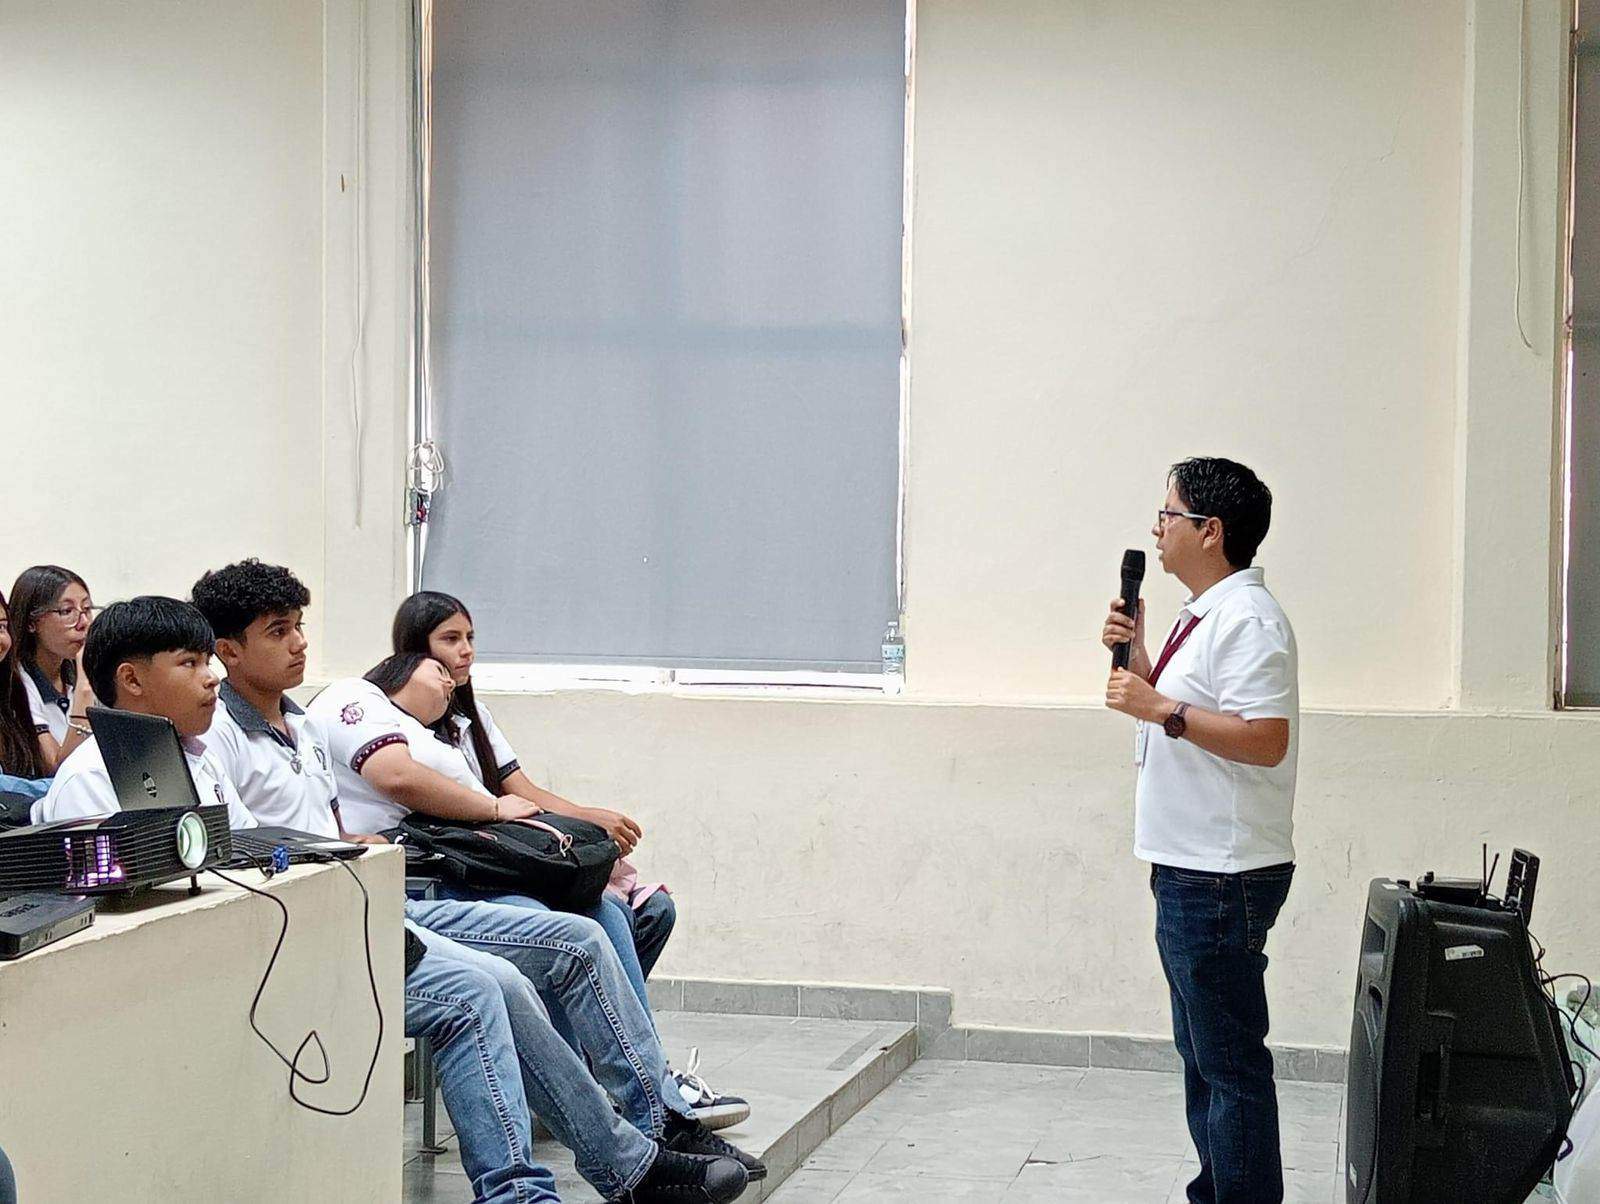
x=313, y=1037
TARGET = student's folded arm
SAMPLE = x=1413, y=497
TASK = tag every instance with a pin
x=402, y=779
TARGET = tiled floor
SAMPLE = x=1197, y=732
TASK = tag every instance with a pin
x=942, y=1132
x=796, y=1072
x=953, y=1132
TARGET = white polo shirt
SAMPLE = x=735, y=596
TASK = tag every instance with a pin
x=82, y=787
x=360, y=720
x=505, y=756
x=49, y=708
x=1198, y=811
x=286, y=781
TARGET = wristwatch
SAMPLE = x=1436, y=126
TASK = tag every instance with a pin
x=1176, y=724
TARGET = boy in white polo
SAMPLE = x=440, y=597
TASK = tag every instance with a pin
x=1216, y=745
x=151, y=655
x=282, y=760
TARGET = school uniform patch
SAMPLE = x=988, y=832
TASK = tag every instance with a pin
x=352, y=713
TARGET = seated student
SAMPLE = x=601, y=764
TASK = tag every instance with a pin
x=22, y=763
x=439, y=625
x=53, y=613
x=279, y=758
x=486, y=1024
x=151, y=655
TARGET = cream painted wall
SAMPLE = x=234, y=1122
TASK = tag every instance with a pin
x=987, y=849
x=1144, y=231
x=161, y=316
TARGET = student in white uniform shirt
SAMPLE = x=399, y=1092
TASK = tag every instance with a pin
x=23, y=774
x=280, y=759
x=439, y=625
x=1218, y=712
x=52, y=615
x=151, y=655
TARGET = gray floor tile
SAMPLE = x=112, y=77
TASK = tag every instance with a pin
x=812, y=1187
x=1127, y=1180
x=993, y=1156
x=846, y=1151
x=926, y=1189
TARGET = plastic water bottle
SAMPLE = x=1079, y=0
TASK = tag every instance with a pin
x=894, y=659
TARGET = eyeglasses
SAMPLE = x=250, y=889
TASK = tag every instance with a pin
x=70, y=614
x=1164, y=514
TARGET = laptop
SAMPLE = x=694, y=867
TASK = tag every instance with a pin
x=144, y=757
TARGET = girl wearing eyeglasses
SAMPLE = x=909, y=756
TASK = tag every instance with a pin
x=51, y=613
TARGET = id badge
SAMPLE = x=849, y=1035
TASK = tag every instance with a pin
x=1141, y=740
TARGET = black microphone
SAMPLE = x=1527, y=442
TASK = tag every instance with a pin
x=1132, y=578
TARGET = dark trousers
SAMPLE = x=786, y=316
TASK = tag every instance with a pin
x=652, y=925
x=1211, y=931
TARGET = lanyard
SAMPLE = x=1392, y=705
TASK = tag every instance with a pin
x=1174, y=642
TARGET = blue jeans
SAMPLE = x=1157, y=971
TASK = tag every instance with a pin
x=461, y=1009
x=1211, y=932
x=569, y=962
x=612, y=916
x=652, y=924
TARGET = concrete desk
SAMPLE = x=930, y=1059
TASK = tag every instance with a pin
x=128, y=1070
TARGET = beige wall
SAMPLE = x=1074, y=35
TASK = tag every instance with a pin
x=986, y=849
x=161, y=315
x=1281, y=231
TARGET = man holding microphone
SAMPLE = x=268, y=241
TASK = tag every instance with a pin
x=1218, y=713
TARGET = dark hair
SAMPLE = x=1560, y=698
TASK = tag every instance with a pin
x=234, y=597
x=1229, y=491
x=137, y=630
x=391, y=674
x=19, y=743
x=414, y=622
x=37, y=589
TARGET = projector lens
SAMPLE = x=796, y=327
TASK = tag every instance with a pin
x=192, y=841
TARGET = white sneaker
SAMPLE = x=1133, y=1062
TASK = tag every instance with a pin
x=710, y=1109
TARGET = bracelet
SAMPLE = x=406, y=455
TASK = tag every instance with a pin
x=496, y=810
x=83, y=729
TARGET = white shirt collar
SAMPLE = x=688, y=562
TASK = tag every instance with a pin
x=1236, y=580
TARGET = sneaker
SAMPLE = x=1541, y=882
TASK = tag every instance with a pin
x=675, y=1178
x=710, y=1109
x=691, y=1137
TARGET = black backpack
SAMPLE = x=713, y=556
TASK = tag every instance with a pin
x=563, y=862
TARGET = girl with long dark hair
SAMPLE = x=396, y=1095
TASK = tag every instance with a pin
x=51, y=612
x=436, y=624
x=638, y=917
x=22, y=763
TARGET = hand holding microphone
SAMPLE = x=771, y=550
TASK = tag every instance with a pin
x=1124, y=630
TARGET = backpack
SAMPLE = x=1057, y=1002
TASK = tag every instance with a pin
x=563, y=862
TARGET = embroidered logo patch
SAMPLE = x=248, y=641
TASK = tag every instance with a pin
x=351, y=714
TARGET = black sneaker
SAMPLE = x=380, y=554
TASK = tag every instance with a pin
x=675, y=1178
x=710, y=1109
x=691, y=1137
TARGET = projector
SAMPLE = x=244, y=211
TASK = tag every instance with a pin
x=113, y=854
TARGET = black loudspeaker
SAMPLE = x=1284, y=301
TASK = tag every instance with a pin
x=1459, y=1085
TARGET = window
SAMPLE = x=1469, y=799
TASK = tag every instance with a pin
x=663, y=338
x=1582, y=610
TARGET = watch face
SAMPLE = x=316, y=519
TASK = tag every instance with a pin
x=1175, y=724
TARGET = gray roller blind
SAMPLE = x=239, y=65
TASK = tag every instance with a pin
x=665, y=280
x=1583, y=565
